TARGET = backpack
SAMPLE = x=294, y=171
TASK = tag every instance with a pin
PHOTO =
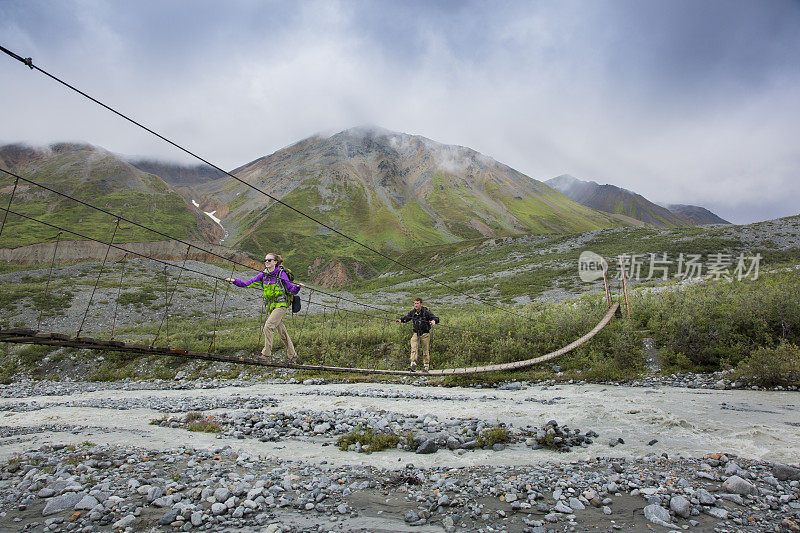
x=294, y=300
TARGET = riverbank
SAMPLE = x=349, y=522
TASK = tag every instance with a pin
x=646, y=450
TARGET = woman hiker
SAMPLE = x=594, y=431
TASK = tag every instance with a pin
x=276, y=285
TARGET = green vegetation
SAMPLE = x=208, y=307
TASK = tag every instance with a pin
x=193, y=421
x=713, y=325
x=770, y=367
x=102, y=180
x=494, y=435
x=204, y=426
x=374, y=441
x=144, y=296
x=718, y=324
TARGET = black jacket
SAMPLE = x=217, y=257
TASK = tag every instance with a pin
x=421, y=320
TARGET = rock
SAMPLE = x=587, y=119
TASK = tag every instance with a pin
x=60, y=503
x=428, y=446
x=448, y=524
x=511, y=497
x=705, y=497
x=222, y=494
x=680, y=506
x=154, y=493
x=737, y=485
x=46, y=492
x=716, y=512
x=498, y=446
x=124, y=522
x=576, y=504
x=322, y=428
x=789, y=525
x=196, y=518
x=86, y=503
x=169, y=517
x=411, y=517
x=785, y=472
x=561, y=507
x=657, y=515
x=731, y=468
x=218, y=508
x=735, y=498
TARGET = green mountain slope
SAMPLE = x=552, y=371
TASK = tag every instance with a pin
x=97, y=177
x=389, y=190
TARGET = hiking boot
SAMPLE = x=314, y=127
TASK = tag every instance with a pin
x=413, y=366
x=261, y=358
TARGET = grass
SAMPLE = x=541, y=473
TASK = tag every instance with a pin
x=711, y=326
x=140, y=297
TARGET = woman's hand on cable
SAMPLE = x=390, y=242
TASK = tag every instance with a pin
x=229, y=280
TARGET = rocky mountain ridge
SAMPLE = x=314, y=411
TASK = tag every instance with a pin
x=613, y=199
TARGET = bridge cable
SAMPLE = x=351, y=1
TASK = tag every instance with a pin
x=29, y=63
x=227, y=259
x=111, y=245
x=14, y=190
x=97, y=281
x=47, y=285
x=217, y=278
x=116, y=302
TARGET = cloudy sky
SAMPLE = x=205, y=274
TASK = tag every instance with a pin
x=693, y=101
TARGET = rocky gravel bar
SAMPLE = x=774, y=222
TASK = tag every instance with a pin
x=245, y=456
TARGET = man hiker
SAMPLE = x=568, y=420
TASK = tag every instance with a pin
x=421, y=319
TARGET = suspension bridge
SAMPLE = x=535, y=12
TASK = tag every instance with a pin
x=30, y=334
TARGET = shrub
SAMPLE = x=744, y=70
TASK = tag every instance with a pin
x=194, y=416
x=626, y=347
x=492, y=436
x=772, y=366
x=205, y=426
x=672, y=361
x=376, y=440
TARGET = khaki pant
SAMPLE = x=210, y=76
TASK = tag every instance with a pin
x=275, y=320
x=421, y=341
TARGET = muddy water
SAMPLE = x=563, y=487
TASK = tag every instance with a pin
x=688, y=422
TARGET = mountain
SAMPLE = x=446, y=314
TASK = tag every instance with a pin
x=697, y=215
x=178, y=175
x=391, y=191
x=100, y=178
x=613, y=199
